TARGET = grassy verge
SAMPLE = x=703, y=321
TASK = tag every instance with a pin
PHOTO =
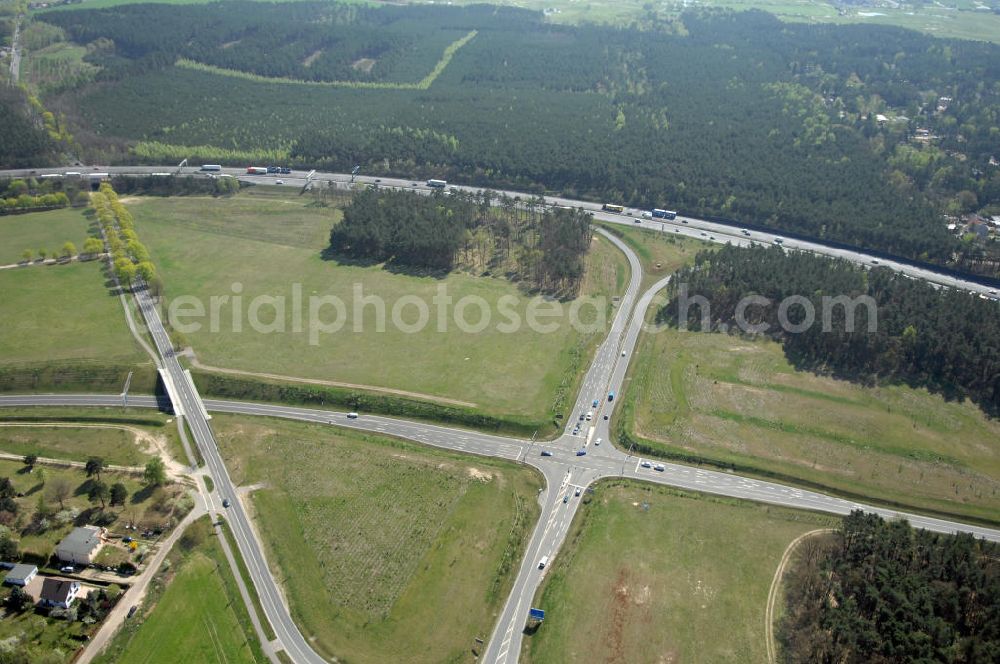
x=659, y=253
x=76, y=376
x=647, y=572
x=156, y=423
x=246, y=389
x=270, y=243
x=739, y=404
x=248, y=582
x=76, y=442
x=192, y=611
x=199, y=461
x=386, y=550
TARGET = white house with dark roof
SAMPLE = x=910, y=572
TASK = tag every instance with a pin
x=59, y=592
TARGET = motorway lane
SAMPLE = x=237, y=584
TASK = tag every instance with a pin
x=595, y=385
x=693, y=228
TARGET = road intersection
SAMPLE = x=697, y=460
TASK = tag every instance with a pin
x=563, y=469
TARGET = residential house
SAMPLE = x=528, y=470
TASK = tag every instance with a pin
x=20, y=575
x=59, y=592
x=81, y=545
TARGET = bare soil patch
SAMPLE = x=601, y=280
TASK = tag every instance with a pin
x=364, y=64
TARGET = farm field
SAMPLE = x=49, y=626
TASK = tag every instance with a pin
x=271, y=244
x=62, y=313
x=194, y=612
x=739, y=402
x=647, y=572
x=958, y=20
x=48, y=230
x=387, y=551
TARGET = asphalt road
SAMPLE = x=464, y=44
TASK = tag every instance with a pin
x=564, y=471
x=683, y=226
x=185, y=397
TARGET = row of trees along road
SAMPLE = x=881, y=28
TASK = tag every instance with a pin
x=129, y=257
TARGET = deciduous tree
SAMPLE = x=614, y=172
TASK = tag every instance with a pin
x=119, y=493
x=155, y=473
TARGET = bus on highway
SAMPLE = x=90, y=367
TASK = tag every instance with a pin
x=211, y=167
x=617, y=209
x=664, y=214
x=439, y=184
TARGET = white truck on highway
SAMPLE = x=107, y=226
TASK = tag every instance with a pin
x=543, y=562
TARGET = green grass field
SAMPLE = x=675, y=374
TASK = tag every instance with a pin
x=650, y=574
x=114, y=445
x=117, y=446
x=60, y=313
x=41, y=230
x=387, y=551
x=271, y=243
x=194, y=612
x=739, y=402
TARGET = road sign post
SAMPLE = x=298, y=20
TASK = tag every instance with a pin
x=128, y=381
x=535, y=618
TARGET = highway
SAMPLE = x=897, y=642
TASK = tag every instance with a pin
x=682, y=226
x=563, y=469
